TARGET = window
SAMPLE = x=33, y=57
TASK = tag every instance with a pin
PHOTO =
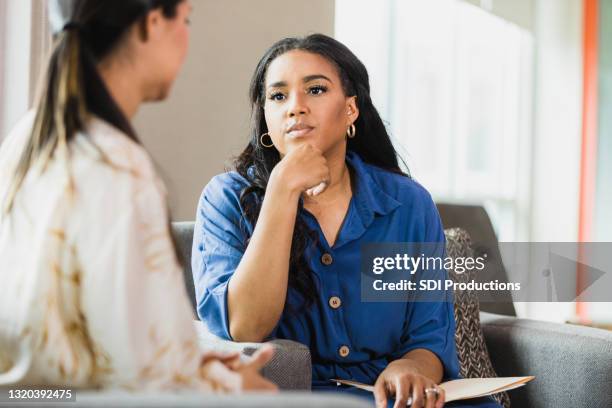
x=454, y=84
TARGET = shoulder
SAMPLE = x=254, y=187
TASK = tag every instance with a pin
x=112, y=171
x=119, y=151
x=230, y=183
x=23, y=127
x=12, y=146
x=404, y=189
x=223, y=193
x=416, y=206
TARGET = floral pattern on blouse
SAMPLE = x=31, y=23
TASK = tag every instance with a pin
x=91, y=292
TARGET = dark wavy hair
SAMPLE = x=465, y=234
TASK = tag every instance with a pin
x=372, y=142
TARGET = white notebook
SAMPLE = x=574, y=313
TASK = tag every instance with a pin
x=464, y=388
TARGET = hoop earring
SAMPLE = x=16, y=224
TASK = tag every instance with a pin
x=350, y=131
x=261, y=140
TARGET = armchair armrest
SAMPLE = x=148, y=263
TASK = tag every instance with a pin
x=290, y=367
x=114, y=398
x=572, y=364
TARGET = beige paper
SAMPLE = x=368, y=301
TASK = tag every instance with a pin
x=464, y=388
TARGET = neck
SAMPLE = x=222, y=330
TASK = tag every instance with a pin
x=122, y=84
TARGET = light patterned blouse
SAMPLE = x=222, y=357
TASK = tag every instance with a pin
x=91, y=293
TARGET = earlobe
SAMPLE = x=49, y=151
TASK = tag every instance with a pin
x=352, y=110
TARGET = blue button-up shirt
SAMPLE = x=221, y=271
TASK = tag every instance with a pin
x=385, y=207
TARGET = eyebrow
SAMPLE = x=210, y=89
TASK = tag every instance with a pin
x=306, y=79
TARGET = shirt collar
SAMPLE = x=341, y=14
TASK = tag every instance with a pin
x=369, y=198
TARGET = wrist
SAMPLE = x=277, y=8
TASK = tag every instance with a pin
x=281, y=188
x=406, y=365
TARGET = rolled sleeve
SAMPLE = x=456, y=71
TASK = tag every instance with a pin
x=431, y=325
x=218, y=245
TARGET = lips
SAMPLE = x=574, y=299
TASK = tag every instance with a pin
x=298, y=130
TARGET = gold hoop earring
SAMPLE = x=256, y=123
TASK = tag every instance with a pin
x=350, y=131
x=261, y=140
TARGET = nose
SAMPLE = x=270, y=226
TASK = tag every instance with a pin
x=297, y=105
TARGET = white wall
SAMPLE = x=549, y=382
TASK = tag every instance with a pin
x=372, y=48
x=204, y=123
x=15, y=35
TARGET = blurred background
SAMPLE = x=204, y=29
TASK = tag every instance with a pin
x=500, y=103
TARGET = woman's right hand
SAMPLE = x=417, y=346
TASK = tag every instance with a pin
x=304, y=168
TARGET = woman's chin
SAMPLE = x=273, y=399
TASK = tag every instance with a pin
x=158, y=94
x=293, y=142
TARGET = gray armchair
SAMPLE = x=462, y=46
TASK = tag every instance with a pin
x=109, y=399
x=572, y=364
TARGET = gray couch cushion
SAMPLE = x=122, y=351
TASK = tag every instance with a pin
x=183, y=237
x=572, y=364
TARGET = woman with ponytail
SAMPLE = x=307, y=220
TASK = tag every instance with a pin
x=92, y=293
x=278, y=242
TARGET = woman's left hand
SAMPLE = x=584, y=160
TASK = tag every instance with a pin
x=232, y=374
x=402, y=380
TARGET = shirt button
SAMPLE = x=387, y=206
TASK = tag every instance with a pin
x=327, y=259
x=344, y=351
x=335, y=302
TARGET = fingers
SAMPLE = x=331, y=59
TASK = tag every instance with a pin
x=434, y=399
x=441, y=398
x=224, y=357
x=402, y=392
x=261, y=357
x=266, y=385
x=304, y=169
x=380, y=393
x=253, y=381
x=430, y=397
x=418, y=394
x=315, y=191
x=233, y=363
x=223, y=377
x=319, y=174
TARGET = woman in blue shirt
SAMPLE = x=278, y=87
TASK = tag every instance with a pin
x=277, y=241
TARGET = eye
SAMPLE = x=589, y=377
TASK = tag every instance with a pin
x=187, y=21
x=276, y=96
x=317, y=90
